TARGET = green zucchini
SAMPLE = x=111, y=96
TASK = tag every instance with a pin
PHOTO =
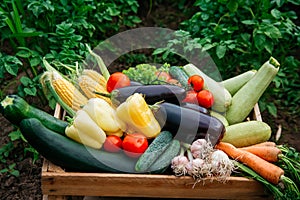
x=71, y=155
x=233, y=84
x=157, y=146
x=180, y=75
x=165, y=159
x=15, y=109
x=221, y=95
x=247, y=133
x=220, y=117
x=245, y=98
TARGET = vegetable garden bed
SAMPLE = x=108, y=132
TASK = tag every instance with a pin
x=58, y=184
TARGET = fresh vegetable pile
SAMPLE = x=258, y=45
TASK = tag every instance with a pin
x=149, y=119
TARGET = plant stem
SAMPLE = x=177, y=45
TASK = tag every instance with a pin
x=272, y=188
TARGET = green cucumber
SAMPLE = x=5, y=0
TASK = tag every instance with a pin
x=233, y=84
x=180, y=75
x=244, y=99
x=247, y=133
x=222, y=98
x=15, y=109
x=71, y=155
x=157, y=146
x=165, y=159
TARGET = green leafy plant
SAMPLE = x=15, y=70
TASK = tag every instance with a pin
x=86, y=21
x=6, y=151
x=10, y=170
x=60, y=29
x=65, y=44
x=242, y=35
x=17, y=136
x=28, y=86
x=9, y=64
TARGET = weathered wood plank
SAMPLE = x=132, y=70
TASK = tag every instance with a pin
x=147, y=185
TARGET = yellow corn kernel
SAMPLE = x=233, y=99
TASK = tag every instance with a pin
x=96, y=76
x=68, y=92
x=88, y=86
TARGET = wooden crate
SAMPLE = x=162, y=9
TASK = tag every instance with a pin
x=58, y=184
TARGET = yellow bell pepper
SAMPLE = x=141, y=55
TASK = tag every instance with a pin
x=103, y=114
x=84, y=130
x=138, y=117
x=119, y=133
x=73, y=133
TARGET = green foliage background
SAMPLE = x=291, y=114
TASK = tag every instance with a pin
x=57, y=30
x=241, y=35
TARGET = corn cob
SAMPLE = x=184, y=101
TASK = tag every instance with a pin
x=56, y=85
x=96, y=76
x=68, y=92
x=89, y=86
x=49, y=91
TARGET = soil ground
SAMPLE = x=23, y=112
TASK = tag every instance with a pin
x=27, y=185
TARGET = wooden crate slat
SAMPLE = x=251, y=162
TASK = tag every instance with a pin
x=256, y=113
x=122, y=185
x=147, y=185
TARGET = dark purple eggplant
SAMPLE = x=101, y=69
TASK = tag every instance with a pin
x=188, y=125
x=134, y=83
x=195, y=107
x=152, y=93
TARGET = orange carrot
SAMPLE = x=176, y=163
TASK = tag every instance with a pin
x=267, y=170
x=268, y=153
x=265, y=144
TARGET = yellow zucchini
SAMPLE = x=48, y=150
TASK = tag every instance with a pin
x=245, y=98
x=247, y=133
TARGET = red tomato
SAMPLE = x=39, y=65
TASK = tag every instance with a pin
x=205, y=98
x=117, y=80
x=112, y=143
x=191, y=97
x=196, y=82
x=164, y=75
x=134, y=144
